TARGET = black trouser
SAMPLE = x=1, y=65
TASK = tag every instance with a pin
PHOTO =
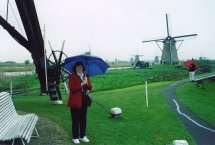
x=79, y=121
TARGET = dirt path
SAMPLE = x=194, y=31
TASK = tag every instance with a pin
x=202, y=132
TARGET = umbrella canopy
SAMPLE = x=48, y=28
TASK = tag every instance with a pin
x=93, y=64
x=189, y=62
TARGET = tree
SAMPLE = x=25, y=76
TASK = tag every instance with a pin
x=27, y=62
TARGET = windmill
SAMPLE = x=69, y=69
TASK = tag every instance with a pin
x=139, y=64
x=49, y=72
x=169, y=51
x=137, y=58
x=156, y=60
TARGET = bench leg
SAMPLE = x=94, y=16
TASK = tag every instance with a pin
x=197, y=84
x=23, y=143
x=37, y=134
x=203, y=85
x=13, y=142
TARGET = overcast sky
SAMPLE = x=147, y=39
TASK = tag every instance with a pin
x=116, y=28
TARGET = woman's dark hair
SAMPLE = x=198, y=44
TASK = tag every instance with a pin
x=78, y=63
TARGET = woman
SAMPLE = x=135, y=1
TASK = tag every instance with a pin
x=79, y=84
x=191, y=69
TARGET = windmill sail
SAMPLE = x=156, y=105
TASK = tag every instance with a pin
x=184, y=36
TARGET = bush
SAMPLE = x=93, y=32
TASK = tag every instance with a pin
x=204, y=65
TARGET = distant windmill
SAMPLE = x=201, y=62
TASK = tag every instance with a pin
x=156, y=60
x=139, y=64
x=169, y=51
x=137, y=58
x=88, y=52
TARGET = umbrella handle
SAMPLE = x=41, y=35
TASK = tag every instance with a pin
x=85, y=76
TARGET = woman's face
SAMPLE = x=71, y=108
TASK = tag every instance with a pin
x=79, y=69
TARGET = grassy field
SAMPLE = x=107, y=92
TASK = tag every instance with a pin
x=16, y=67
x=200, y=101
x=115, y=79
x=155, y=125
x=112, y=79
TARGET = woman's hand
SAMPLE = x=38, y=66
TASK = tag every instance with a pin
x=85, y=81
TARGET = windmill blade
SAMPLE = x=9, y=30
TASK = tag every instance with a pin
x=158, y=45
x=153, y=40
x=137, y=55
x=55, y=58
x=184, y=36
x=7, y=10
x=179, y=44
x=61, y=53
x=167, y=26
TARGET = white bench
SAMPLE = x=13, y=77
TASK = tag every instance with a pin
x=200, y=80
x=13, y=125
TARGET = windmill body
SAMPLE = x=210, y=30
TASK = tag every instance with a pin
x=156, y=60
x=169, y=51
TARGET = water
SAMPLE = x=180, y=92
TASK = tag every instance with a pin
x=114, y=68
x=10, y=74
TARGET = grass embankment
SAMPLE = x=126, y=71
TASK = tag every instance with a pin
x=155, y=125
x=200, y=101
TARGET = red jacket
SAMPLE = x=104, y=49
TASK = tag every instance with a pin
x=75, y=95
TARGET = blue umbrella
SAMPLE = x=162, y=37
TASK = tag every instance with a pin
x=93, y=65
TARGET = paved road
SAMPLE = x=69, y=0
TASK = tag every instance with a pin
x=202, y=132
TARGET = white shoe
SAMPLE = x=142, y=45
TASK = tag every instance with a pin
x=84, y=139
x=58, y=102
x=75, y=141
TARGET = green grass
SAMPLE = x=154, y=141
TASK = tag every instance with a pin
x=112, y=79
x=115, y=79
x=19, y=82
x=16, y=67
x=200, y=101
x=155, y=125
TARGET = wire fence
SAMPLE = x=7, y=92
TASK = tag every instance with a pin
x=24, y=91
